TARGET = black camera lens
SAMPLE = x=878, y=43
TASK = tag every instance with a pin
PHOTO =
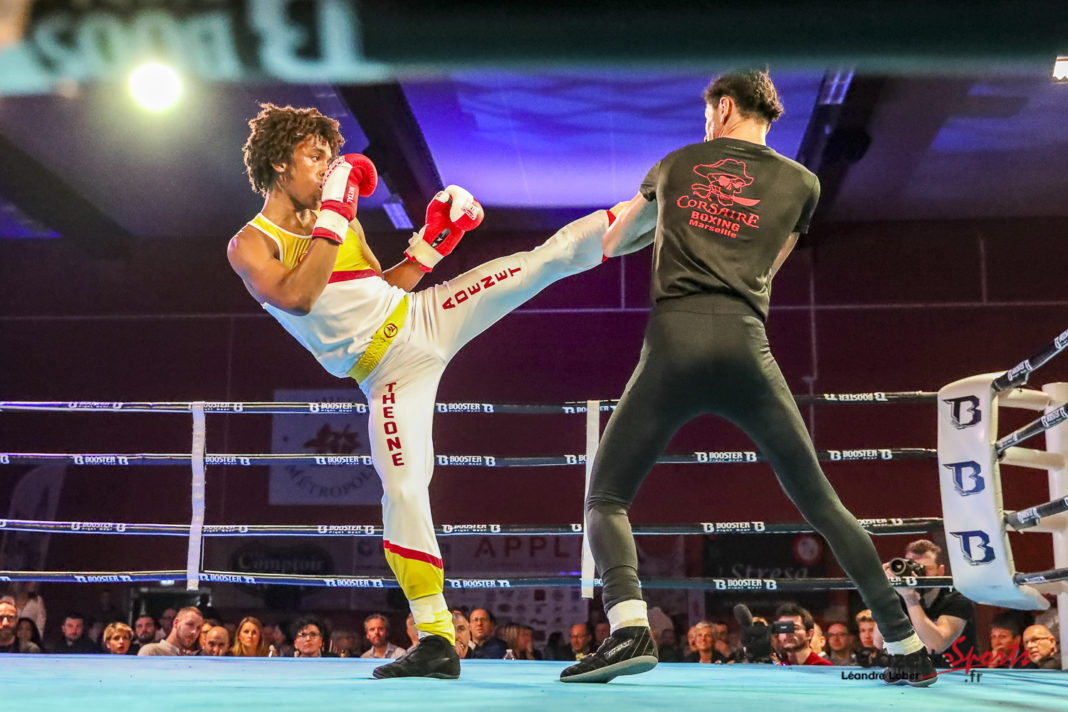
x=905, y=567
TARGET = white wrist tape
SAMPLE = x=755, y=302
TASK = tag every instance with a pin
x=421, y=252
x=333, y=222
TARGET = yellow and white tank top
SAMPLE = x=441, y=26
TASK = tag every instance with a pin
x=354, y=304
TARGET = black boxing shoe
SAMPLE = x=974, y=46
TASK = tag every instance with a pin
x=628, y=651
x=433, y=656
x=914, y=669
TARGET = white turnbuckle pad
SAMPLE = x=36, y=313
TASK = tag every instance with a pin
x=970, y=481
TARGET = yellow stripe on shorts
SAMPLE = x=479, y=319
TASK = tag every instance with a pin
x=380, y=342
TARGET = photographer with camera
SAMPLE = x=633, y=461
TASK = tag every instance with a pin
x=941, y=616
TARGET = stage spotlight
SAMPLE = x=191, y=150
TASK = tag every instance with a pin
x=1060, y=69
x=155, y=86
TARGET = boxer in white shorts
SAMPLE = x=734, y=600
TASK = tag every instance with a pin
x=305, y=258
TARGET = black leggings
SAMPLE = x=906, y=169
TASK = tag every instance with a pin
x=695, y=362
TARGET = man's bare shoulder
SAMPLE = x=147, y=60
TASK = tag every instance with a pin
x=249, y=241
x=247, y=233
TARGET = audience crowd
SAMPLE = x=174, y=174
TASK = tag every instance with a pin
x=797, y=638
x=945, y=622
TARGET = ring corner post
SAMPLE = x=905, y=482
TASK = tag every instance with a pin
x=593, y=437
x=196, y=522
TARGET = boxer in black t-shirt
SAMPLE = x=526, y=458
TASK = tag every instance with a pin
x=722, y=216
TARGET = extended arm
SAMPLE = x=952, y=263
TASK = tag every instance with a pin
x=632, y=229
x=936, y=635
x=405, y=275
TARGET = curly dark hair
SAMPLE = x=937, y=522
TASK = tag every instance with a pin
x=751, y=90
x=276, y=131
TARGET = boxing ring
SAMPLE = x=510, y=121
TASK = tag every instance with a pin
x=120, y=682
x=969, y=458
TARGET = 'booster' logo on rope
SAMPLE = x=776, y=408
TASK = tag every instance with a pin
x=1020, y=369
x=1053, y=417
x=975, y=545
x=346, y=529
x=331, y=407
x=5, y=460
x=732, y=527
x=97, y=527
x=223, y=407
x=869, y=454
x=470, y=528
x=226, y=529
x=1061, y=341
x=100, y=460
x=228, y=578
x=105, y=578
x=1027, y=578
x=93, y=405
x=892, y=521
x=745, y=584
x=964, y=418
x=465, y=407
x=354, y=583
x=487, y=460
x=1028, y=516
x=479, y=583
x=227, y=460
x=737, y=456
x=877, y=397
x=969, y=469
x=343, y=460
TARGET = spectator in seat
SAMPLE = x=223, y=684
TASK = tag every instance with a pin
x=797, y=646
x=581, y=641
x=376, y=630
x=183, y=638
x=483, y=628
x=27, y=630
x=1005, y=642
x=249, y=641
x=9, y=642
x=704, y=640
x=1041, y=646
x=73, y=640
x=117, y=638
x=463, y=634
x=840, y=645
x=343, y=643
x=216, y=643
x=520, y=640
x=309, y=639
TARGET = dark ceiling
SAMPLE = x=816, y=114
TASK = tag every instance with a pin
x=984, y=138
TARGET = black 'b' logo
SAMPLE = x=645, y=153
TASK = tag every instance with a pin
x=964, y=411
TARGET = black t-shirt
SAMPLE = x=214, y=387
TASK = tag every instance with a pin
x=953, y=603
x=726, y=208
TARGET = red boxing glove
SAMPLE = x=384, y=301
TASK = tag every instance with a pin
x=613, y=213
x=451, y=213
x=350, y=175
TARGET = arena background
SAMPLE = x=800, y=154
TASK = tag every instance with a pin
x=895, y=288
